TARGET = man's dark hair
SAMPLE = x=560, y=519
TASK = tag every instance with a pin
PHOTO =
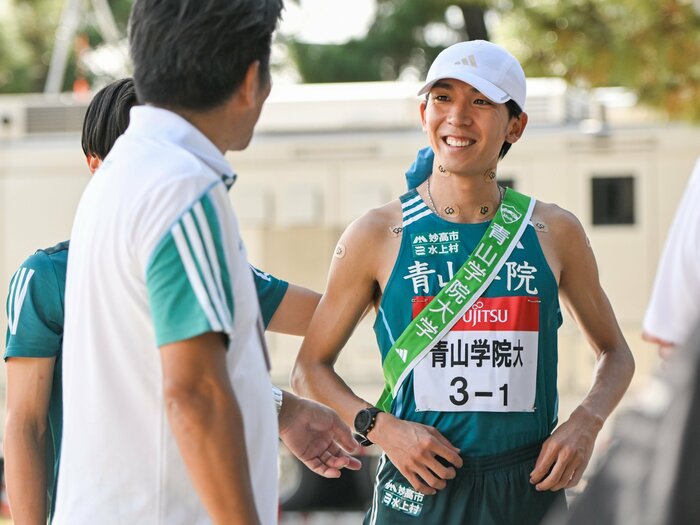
x=107, y=117
x=194, y=54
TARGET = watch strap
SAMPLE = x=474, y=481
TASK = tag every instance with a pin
x=361, y=434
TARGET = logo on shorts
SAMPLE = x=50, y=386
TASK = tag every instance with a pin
x=402, y=498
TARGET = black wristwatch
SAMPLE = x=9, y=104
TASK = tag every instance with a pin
x=364, y=422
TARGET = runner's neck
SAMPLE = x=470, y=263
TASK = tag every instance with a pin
x=462, y=199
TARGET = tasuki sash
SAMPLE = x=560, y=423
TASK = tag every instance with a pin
x=458, y=295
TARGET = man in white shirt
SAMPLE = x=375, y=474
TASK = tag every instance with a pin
x=674, y=308
x=169, y=410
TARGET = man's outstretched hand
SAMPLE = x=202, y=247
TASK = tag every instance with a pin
x=316, y=435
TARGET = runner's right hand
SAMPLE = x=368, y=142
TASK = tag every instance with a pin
x=414, y=449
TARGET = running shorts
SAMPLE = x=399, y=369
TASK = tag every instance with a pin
x=489, y=490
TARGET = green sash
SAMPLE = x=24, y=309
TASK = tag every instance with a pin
x=458, y=295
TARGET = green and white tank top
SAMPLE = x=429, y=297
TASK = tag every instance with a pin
x=477, y=385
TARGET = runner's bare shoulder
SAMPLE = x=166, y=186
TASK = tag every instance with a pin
x=561, y=235
x=557, y=221
x=375, y=227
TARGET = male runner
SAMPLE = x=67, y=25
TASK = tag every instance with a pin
x=35, y=333
x=467, y=420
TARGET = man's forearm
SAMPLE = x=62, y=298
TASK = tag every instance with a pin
x=613, y=374
x=25, y=471
x=321, y=383
x=209, y=433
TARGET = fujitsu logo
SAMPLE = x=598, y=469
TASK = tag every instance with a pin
x=476, y=315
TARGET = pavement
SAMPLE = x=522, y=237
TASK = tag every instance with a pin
x=321, y=518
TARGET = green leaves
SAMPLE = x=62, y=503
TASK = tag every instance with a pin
x=649, y=46
x=27, y=35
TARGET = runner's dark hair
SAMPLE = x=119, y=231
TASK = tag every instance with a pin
x=194, y=54
x=107, y=117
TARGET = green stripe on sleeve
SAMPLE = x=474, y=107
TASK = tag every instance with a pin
x=187, y=278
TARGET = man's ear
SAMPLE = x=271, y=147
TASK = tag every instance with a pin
x=423, y=105
x=93, y=162
x=516, y=127
x=248, y=91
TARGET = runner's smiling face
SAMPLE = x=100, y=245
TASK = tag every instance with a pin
x=465, y=129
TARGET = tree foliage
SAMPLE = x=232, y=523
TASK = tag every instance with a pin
x=27, y=36
x=649, y=46
x=403, y=40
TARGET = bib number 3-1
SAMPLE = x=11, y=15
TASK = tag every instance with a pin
x=487, y=362
x=481, y=373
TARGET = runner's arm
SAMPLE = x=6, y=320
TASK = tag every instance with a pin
x=351, y=288
x=28, y=391
x=568, y=451
x=294, y=313
x=207, y=424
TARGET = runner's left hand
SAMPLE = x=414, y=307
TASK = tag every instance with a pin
x=566, y=453
x=316, y=435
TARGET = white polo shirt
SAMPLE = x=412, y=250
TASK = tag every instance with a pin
x=674, y=308
x=156, y=257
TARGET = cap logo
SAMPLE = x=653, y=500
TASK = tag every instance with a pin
x=467, y=61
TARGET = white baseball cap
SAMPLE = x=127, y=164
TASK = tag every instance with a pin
x=483, y=65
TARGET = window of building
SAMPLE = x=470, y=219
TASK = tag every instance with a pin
x=613, y=200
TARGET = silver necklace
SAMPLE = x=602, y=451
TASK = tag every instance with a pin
x=432, y=203
x=430, y=199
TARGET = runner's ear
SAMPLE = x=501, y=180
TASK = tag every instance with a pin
x=516, y=127
x=423, y=105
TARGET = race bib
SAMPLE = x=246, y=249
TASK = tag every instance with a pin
x=486, y=363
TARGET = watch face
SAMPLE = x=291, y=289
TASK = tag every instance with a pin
x=362, y=420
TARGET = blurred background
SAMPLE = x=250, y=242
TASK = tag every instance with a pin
x=614, y=105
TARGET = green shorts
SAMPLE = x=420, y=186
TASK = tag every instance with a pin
x=490, y=490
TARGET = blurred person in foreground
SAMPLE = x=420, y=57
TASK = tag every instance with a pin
x=34, y=337
x=466, y=278
x=673, y=312
x=651, y=473
x=169, y=413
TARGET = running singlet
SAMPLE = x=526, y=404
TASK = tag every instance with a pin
x=489, y=385
x=35, y=329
